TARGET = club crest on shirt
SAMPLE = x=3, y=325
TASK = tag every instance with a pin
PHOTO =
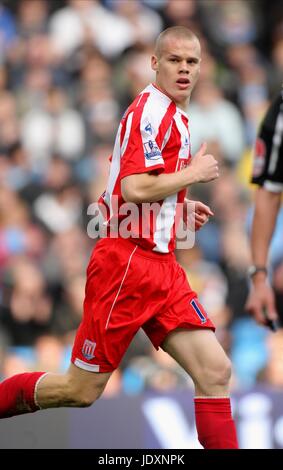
x=259, y=157
x=151, y=150
x=88, y=349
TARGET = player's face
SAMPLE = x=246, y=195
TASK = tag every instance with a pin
x=177, y=68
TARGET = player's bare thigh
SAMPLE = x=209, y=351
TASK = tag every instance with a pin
x=88, y=380
x=203, y=358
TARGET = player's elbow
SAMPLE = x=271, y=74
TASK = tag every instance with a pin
x=131, y=193
x=133, y=196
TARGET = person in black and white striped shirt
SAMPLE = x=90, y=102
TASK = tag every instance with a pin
x=268, y=175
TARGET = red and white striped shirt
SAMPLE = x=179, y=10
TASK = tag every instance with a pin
x=153, y=136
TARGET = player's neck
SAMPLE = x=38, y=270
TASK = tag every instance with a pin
x=182, y=105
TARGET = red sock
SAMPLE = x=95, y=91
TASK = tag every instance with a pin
x=214, y=422
x=17, y=394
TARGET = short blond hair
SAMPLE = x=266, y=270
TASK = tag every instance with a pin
x=176, y=31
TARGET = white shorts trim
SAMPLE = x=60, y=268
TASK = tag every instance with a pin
x=273, y=187
x=84, y=365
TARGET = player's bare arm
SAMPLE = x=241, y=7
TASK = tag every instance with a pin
x=261, y=295
x=147, y=187
x=266, y=209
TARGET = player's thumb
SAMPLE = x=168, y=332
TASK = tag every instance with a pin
x=202, y=150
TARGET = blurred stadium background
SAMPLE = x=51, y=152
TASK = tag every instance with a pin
x=68, y=70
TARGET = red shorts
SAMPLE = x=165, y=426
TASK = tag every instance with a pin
x=128, y=288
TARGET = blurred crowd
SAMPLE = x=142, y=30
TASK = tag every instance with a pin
x=68, y=70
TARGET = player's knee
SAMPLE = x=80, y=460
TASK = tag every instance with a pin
x=221, y=373
x=85, y=398
x=217, y=374
x=225, y=372
x=84, y=401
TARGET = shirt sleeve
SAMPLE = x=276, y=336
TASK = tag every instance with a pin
x=268, y=149
x=142, y=153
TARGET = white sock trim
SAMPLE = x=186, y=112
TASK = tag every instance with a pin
x=35, y=389
x=214, y=398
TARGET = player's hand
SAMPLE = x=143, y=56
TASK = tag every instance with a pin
x=196, y=214
x=205, y=165
x=261, y=302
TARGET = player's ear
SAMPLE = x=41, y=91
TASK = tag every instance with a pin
x=154, y=63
